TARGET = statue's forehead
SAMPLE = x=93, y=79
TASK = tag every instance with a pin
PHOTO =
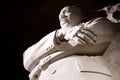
x=65, y=9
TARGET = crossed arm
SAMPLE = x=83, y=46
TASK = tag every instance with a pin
x=75, y=39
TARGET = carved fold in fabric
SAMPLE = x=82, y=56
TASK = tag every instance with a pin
x=93, y=64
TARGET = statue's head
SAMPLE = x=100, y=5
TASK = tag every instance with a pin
x=70, y=16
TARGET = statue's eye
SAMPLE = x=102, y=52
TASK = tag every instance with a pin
x=68, y=11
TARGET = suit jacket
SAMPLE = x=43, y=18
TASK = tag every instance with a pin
x=76, y=68
x=101, y=27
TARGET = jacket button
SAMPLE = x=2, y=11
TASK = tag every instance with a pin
x=53, y=72
x=47, y=48
x=49, y=57
x=51, y=46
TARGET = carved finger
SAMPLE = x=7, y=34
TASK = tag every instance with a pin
x=85, y=37
x=80, y=40
x=90, y=34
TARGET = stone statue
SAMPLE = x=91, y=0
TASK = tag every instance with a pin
x=73, y=52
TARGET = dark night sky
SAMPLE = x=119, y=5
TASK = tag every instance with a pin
x=27, y=21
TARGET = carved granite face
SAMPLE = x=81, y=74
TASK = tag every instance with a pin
x=69, y=16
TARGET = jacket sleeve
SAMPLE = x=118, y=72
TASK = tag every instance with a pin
x=34, y=53
x=101, y=28
x=104, y=31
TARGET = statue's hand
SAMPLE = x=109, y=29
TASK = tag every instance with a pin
x=61, y=35
x=81, y=35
